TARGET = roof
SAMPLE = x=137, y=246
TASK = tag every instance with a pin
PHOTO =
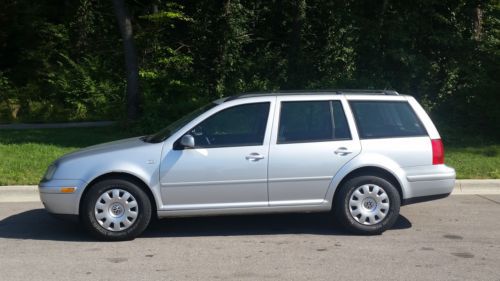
x=314, y=92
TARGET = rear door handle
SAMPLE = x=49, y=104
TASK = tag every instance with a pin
x=342, y=151
x=254, y=156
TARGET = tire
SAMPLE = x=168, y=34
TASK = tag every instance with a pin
x=367, y=205
x=115, y=210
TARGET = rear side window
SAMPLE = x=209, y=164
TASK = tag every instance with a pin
x=386, y=119
x=312, y=121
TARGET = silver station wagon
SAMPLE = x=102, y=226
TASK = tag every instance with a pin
x=360, y=154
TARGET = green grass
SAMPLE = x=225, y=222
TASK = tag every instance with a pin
x=472, y=162
x=472, y=156
x=25, y=154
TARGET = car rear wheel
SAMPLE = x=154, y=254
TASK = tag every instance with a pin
x=116, y=209
x=367, y=205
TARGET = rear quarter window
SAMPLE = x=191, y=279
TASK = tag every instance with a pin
x=386, y=119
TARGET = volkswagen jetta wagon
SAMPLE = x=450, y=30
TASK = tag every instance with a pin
x=359, y=154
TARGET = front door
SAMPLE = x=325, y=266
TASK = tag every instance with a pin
x=227, y=168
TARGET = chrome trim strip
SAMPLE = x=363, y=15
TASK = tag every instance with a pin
x=199, y=183
x=431, y=177
x=329, y=178
x=214, y=206
x=297, y=202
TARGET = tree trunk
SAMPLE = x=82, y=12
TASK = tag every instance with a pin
x=295, y=79
x=125, y=25
x=478, y=22
x=155, y=5
x=220, y=69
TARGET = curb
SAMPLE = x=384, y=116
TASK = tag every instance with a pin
x=19, y=193
x=29, y=193
x=477, y=187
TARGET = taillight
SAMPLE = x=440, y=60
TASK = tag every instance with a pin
x=437, y=152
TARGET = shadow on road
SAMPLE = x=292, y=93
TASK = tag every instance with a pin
x=39, y=225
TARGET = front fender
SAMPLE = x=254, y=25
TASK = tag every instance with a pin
x=141, y=163
x=134, y=171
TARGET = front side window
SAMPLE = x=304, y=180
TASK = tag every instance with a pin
x=242, y=125
x=386, y=119
x=312, y=121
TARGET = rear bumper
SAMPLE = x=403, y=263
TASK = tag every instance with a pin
x=59, y=203
x=424, y=199
x=425, y=183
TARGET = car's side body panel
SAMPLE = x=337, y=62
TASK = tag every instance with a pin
x=220, y=177
x=406, y=152
x=295, y=177
x=300, y=173
x=324, y=206
x=213, y=178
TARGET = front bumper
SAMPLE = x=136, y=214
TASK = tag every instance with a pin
x=57, y=202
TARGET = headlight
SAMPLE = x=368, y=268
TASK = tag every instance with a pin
x=49, y=173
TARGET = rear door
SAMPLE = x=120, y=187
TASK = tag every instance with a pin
x=311, y=141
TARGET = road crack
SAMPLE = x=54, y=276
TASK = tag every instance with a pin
x=491, y=200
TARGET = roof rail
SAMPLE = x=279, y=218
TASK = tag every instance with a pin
x=368, y=92
x=323, y=91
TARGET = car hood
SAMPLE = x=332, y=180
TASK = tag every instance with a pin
x=133, y=156
x=114, y=146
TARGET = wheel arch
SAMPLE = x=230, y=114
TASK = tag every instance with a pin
x=124, y=176
x=371, y=171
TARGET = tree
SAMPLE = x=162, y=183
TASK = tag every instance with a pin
x=59, y=61
x=125, y=26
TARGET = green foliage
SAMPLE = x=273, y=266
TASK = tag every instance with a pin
x=65, y=61
x=7, y=99
x=167, y=16
x=83, y=92
x=56, y=70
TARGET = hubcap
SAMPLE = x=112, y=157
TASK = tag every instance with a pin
x=369, y=204
x=116, y=210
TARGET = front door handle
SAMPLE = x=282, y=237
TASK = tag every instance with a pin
x=342, y=151
x=254, y=156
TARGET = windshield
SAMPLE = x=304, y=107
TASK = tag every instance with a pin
x=173, y=127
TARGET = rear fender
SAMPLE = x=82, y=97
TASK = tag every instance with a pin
x=368, y=160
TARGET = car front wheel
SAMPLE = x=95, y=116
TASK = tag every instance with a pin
x=116, y=209
x=367, y=205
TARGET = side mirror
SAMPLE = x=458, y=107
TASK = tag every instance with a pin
x=187, y=141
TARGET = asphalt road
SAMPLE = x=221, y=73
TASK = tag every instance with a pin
x=457, y=238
